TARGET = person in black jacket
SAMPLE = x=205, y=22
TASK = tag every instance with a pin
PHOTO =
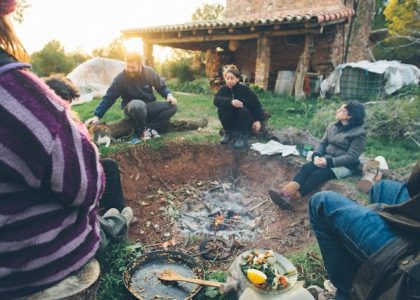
x=238, y=108
x=135, y=86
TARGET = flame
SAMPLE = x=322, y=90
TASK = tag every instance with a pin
x=218, y=220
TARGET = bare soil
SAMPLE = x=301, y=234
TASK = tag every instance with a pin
x=156, y=182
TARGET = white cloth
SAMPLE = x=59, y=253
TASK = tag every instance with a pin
x=273, y=147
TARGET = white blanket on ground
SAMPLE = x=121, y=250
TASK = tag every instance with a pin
x=273, y=147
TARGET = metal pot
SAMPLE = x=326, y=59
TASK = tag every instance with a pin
x=141, y=276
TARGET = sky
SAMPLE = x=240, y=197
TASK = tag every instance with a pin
x=82, y=25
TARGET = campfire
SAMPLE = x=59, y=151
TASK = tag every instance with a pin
x=223, y=212
x=220, y=220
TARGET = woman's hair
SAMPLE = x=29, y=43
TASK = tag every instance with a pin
x=9, y=41
x=356, y=111
x=231, y=69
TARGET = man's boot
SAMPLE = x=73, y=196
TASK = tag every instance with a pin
x=242, y=141
x=286, y=197
x=227, y=137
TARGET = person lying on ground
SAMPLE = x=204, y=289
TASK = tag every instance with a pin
x=50, y=179
x=372, y=252
x=239, y=109
x=337, y=156
x=135, y=86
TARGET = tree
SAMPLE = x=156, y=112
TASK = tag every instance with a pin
x=51, y=59
x=21, y=7
x=208, y=12
x=115, y=50
x=404, y=20
x=403, y=23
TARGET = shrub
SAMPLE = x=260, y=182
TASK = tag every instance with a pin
x=197, y=86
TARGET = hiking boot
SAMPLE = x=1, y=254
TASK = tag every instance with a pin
x=242, y=141
x=227, y=137
x=128, y=214
x=111, y=212
x=287, y=196
x=281, y=198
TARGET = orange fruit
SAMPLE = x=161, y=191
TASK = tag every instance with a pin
x=256, y=276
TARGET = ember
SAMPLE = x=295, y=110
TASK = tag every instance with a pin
x=218, y=220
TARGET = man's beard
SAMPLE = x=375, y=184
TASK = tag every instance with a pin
x=133, y=74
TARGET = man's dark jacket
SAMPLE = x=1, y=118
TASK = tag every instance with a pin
x=394, y=271
x=140, y=87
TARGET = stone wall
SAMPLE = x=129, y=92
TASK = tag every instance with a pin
x=328, y=50
x=245, y=57
x=245, y=9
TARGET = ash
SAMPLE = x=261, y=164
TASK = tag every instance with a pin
x=239, y=220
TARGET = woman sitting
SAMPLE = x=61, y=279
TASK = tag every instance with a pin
x=337, y=156
x=238, y=108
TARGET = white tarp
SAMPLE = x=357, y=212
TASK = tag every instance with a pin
x=94, y=76
x=396, y=75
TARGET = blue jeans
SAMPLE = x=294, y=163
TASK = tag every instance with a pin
x=349, y=233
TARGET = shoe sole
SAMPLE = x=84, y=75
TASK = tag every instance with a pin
x=279, y=201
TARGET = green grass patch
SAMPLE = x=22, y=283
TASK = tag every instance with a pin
x=113, y=263
x=310, y=265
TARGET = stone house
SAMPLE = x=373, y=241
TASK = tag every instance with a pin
x=263, y=37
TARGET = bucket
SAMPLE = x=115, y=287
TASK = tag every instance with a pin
x=285, y=82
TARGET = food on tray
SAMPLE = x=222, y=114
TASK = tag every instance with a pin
x=260, y=270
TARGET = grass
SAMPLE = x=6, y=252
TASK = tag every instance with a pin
x=285, y=112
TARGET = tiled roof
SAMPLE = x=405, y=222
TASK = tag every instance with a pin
x=320, y=17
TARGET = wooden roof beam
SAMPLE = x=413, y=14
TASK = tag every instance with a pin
x=184, y=38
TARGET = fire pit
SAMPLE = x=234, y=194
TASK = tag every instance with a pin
x=223, y=211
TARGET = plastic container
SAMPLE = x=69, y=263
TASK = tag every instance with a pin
x=285, y=82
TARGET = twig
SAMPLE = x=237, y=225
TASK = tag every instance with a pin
x=258, y=205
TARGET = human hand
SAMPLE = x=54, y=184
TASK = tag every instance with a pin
x=171, y=99
x=320, y=162
x=256, y=127
x=237, y=103
x=92, y=120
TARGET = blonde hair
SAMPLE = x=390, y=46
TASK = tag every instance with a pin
x=9, y=41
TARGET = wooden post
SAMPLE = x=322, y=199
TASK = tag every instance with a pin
x=303, y=65
x=262, y=66
x=148, y=54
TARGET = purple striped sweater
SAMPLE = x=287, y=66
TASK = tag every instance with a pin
x=50, y=184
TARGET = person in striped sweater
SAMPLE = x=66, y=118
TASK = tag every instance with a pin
x=50, y=178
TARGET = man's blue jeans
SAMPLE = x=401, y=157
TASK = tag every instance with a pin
x=349, y=233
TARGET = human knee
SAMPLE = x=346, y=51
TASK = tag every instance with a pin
x=321, y=199
x=109, y=164
x=378, y=188
x=137, y=106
